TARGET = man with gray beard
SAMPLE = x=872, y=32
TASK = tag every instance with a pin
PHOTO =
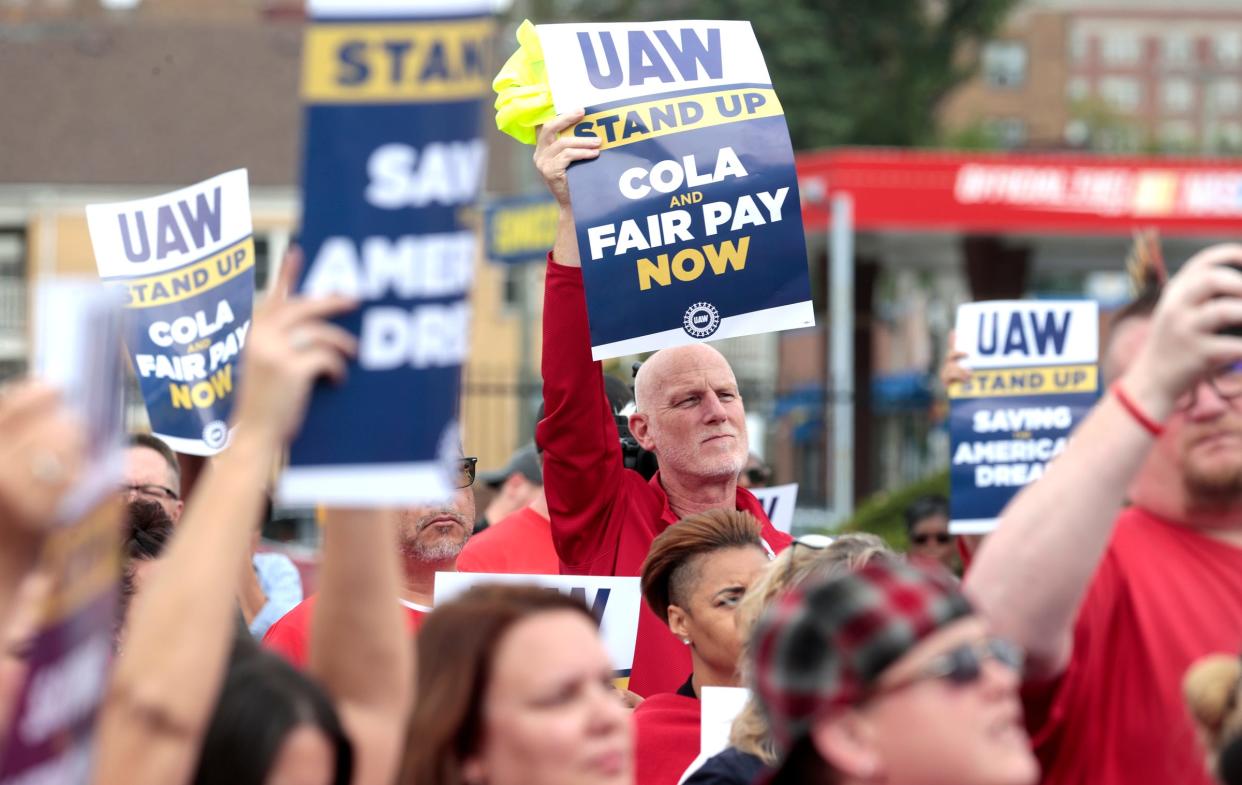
x=430, y=539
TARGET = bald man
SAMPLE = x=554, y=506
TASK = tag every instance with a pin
x=688, y=412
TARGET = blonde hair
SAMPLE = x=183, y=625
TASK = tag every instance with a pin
x=791, y=567
x=1211, y=691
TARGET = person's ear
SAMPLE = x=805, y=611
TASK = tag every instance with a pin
x=639, y=428
x=846, y=741
x=678, y=622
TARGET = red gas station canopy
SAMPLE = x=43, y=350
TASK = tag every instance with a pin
x=916, y=190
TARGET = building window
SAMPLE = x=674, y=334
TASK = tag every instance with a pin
x=1080, y=46
x=1122, y=93
x=1119, y=47
x=1229, y=137
x=1225, y=97
x=1077, y=89
x=1177, y=133
x=1227, y=46
x=1009, y=132
x=1004, y=63
x=1178, y=48
x=13, y=281
x=1177, y=95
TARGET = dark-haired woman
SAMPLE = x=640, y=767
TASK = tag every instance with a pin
x=515, y=688
x=693, y=579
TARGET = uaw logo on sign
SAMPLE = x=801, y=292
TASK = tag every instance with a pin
x=701, y=320
x=216, y=434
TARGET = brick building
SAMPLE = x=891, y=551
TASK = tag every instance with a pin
x=1111, y=75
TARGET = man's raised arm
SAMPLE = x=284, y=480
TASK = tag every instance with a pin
x=581, y=452
x=1032, y=573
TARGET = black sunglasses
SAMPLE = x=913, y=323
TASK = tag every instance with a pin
x=759, y=475
x=964, y=664
x=465, y=472
x=944, y=538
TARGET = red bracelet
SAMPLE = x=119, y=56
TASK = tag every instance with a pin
x=1140, y=417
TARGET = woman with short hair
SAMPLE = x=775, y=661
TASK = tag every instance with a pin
x=694, y=577
x=751, y=749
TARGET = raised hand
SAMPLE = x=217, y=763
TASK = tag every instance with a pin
x=290, y=345
x=1185, y=341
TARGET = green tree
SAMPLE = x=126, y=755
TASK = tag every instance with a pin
x=847, y=71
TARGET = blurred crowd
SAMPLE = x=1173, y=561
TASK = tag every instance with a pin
x=1091, y=638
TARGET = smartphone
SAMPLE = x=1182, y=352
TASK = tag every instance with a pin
x=1233, y=329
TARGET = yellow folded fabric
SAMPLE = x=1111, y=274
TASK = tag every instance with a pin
x=523, y=99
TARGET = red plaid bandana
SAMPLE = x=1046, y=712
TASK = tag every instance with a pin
x=824, y=644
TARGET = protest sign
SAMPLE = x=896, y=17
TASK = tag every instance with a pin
x=1033, y=378
x=614, y=601
x=721, y=705
x=778, y=502
x=393, y=151
x=71, y=598
x=689, y=224
x=186, y=263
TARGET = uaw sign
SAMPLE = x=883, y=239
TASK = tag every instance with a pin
x=393, y=159
x=615, y=602
x=185, y=262
x=1033, y=378
x=688, y=222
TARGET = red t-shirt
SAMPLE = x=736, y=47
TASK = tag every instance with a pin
x=604, y=516
x=667, y=738
x=518, y=543
x=1163, y=597
x=290, y=635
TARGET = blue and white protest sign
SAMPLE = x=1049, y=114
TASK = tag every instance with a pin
x=393, y=152
x=1033, y=378
x=614, y=601
x=778, y=503
x=689, y=224
x=186, y=263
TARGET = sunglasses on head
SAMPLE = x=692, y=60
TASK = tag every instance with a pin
x=964, y=664
x=944, y=538
x=759, y=475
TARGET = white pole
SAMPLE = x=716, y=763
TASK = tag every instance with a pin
x=841, y=354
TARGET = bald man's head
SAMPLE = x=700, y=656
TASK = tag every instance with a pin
x=690, y=414
x=672, y=361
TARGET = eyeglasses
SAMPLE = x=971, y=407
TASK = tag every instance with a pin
x=1226, y=382
x=963, y=665
x=151, y=491
x=944, y=538
x=465, y=472
x=813, y=542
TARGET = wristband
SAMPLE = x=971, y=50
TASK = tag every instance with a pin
x=1140, y=417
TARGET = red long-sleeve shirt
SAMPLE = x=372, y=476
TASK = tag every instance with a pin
x=604, y=516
